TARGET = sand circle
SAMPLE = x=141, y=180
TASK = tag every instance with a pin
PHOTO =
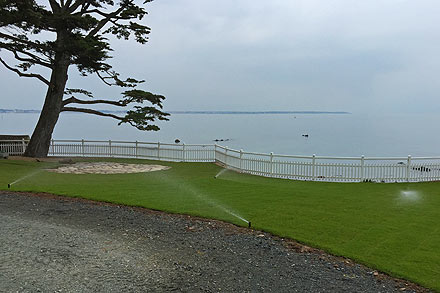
x=107, y=168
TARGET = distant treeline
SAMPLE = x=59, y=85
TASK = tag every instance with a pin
x=258, y=112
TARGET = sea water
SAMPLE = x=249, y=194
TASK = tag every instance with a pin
x=328, y=134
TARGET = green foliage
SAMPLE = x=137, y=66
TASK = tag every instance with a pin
x=79, y=23
x=371, y=223
x=76, y=32
x=70, y=91
x=141, y=116
x=138, y=96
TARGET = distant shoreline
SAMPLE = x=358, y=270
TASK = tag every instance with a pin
x=24, y=111
x=257, y=112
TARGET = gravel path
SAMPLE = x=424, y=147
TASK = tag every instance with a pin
x=54, y=244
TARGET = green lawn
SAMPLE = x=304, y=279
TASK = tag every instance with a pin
x=390, y=227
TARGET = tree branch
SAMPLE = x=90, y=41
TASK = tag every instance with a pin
x=90, y=111
x=75, y=5
x=32, y=59
x=24, y=74
x=21, y=41
x=104, y=21
x=99, y=12
x=54, y=5
x=68, y=2
x=103, y=78
x=73, y=100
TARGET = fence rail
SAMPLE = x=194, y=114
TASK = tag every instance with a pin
x=315, y=168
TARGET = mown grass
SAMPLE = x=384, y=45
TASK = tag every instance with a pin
x=390, y=227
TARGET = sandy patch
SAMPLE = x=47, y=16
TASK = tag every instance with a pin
x=107, y=168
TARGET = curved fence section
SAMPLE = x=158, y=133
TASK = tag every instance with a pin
x=314, y=168
x=332, y=169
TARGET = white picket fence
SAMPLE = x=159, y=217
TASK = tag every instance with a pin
x=13, y=147
x=314, y=168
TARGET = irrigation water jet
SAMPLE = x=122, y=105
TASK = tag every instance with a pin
x=24, y=177
x=204, y=197
x=220, y=173
x=410, y=195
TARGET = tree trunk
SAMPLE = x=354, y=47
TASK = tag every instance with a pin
x=40, y=141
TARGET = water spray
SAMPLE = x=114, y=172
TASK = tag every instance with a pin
x=205, y=197
x=220, y=173
x=24, y=177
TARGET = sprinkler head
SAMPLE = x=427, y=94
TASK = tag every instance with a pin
x=215, y=177
x=249, y=224
x=9, y=185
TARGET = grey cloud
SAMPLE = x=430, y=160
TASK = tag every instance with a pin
x=299, y=55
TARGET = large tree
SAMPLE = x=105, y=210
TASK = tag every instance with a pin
x=49, y=38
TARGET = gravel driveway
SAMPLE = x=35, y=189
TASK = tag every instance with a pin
x=55, y=244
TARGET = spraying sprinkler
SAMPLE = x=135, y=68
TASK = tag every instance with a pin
x=24, y=177
x=249, y=224
x=220, y=173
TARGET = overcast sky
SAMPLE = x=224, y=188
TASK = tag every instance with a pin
x=329, y=55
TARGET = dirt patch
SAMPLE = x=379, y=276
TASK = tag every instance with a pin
x=106, y=168
x=27, y=159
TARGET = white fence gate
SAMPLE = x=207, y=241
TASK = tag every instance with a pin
x=314, y=168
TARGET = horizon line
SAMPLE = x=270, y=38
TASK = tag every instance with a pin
x=198, y=112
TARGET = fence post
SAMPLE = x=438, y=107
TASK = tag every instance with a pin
x=82, y=147
x=215, y=153
x=158, y=151
x=313, y=166
x=23, y=145
x=271, y=164
x=241, y=160
x=408, y=164
x=110, y=147
x=136, y=150
x=53, y=148
x=362, y=168
x=183, y=152
x=226, y=156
